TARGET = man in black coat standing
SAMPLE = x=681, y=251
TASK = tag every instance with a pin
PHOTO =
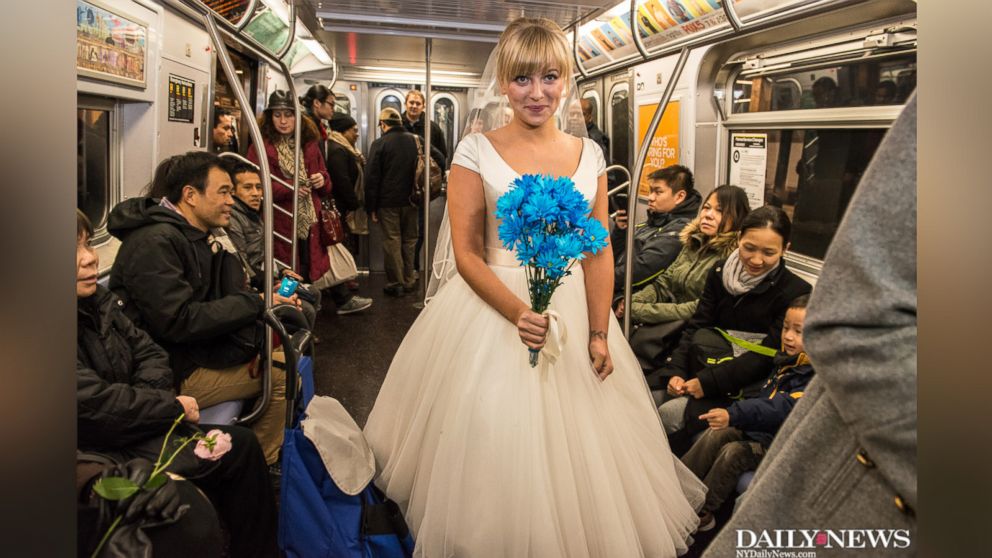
x=389, y=178
x=595, y=134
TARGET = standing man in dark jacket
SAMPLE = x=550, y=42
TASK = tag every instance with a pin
x=413, y=122
x=672, y=203
x=595, y=134
x=125, y=406
x=177, y=285
x=389, y=180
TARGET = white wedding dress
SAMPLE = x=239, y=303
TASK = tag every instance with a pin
x=489, y=457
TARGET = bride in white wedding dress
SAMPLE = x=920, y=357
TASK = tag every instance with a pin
x=487, y=456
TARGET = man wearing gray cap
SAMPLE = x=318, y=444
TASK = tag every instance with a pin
x=389, y=178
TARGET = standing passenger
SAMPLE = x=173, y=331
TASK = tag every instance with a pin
x=278, y=132
x=389, y=180
x=595, y=134
x=319, y=104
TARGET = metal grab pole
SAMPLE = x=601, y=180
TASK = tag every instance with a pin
x=642, y=155
x=426, y=268
x=263, y=163
x=732, y=17
x=634, y=31
x=297, y=117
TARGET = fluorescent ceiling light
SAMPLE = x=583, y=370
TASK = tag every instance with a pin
x=495, y=27
x=421, y=34
x=417, y=70
x=317, y=50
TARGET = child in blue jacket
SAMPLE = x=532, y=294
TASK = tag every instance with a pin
x=738, y=436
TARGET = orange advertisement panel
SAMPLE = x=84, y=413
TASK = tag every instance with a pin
x=664, y=149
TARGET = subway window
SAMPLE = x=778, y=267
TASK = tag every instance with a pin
x=95, y=178
x=873, y=82
x=812, y=174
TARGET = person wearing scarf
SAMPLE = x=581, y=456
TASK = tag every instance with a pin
x=278, y=126
x=748, y=292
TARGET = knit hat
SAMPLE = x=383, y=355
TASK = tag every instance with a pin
x=391, y=116
x=341, y=122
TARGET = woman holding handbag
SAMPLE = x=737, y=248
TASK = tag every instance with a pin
x=278, y=127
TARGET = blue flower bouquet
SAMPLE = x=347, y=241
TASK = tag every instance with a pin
x=546, y=221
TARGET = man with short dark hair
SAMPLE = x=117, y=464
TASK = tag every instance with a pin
x=191, y=295
x=595, y=134
x=672, y=202
x=223, y=130
x=389, y=178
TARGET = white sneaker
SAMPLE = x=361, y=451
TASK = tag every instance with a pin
x=356, y=304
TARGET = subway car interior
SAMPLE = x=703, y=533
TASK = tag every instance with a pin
x=787, y=99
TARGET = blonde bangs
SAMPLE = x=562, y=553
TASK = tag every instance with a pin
x=532, y=45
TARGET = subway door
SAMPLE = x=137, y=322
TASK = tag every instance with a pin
x=182, y=114
x=183, y=87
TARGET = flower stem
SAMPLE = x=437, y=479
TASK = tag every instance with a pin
x=167, y=436
x=106, y=536
x=164, y=466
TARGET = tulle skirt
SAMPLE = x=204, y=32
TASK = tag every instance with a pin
x=489, y=457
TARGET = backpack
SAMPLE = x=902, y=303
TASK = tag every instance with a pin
x=417, y=196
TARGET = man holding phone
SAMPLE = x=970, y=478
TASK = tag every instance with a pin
x=672, y=202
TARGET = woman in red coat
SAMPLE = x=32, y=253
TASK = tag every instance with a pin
x=278, y=124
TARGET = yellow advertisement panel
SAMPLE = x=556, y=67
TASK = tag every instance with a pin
x=664, y=149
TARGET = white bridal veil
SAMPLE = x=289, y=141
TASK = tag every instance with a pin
x=490, y=110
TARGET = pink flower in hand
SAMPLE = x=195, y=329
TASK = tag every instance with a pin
x=213, y=446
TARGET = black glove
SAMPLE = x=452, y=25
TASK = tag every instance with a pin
x=161, y=503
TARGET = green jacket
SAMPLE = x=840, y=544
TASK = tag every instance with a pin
x=674, y=294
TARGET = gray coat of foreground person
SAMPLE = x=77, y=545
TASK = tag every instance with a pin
x=840, y=478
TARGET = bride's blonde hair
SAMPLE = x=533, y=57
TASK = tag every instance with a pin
x=530, y=45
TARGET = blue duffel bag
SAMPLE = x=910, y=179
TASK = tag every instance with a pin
x=328, y=504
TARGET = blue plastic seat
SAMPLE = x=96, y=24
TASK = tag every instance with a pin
x=227, y=412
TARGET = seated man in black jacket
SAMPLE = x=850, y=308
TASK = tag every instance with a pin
x=190, y=294
x=672, y=203
x=126, y=405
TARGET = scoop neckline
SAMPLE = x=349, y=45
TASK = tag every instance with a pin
x=582, y=158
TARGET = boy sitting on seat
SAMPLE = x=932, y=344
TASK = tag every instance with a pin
x=739, y=435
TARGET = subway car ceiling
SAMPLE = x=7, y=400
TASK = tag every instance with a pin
x=749, y=77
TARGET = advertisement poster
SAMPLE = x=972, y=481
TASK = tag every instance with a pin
x=748, y=160
x=109, y=46
x=181, y=99
x=664, y=149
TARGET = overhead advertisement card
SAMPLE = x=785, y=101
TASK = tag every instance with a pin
x=748, y=162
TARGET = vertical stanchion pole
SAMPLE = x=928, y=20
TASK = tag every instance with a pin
x=263, y=164
x=425, y=261
x=635, y=181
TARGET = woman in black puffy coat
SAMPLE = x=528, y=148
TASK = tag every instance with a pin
x=749, y=292
x=125, y=406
